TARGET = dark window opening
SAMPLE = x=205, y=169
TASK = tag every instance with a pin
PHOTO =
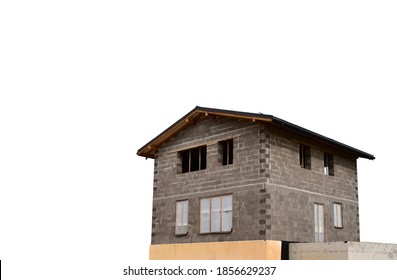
x=185, y=155
x=328, y=164
x=304, y=156
x=194, y=159
x=226, y=149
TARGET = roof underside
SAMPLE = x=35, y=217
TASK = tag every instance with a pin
x=150, y=148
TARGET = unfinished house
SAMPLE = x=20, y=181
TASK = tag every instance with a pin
x=236, y=185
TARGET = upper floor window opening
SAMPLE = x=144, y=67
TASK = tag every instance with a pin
x=328, y=164
x=304, y=156
x=194, y=159
x=226, y=151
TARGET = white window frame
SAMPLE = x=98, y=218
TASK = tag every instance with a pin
x=319, y=226
x=182, y=217
x=338, y=217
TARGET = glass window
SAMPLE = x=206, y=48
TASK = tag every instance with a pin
x=216, y=208
x=338, y=215
x=227, y=213
x=181, y=224
x=319, y=235
x=216, y=214
x=205, y=208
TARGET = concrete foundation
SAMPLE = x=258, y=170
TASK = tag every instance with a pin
x=237, y=250
x=342, y=251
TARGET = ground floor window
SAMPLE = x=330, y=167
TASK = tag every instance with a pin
x=216, y=214
x=319, y=235
x=182, y=209
x=338, y=215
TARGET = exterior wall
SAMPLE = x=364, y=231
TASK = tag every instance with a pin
x=243, y=179
x=343, y=251
x=292, y=191
x=273, y=196
x=235, y=250
x=372, y=251
x=318, y=251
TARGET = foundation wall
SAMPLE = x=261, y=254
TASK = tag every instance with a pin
x=237, y=250
x=343, y=251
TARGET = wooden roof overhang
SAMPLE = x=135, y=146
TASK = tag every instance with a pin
x=151, y=147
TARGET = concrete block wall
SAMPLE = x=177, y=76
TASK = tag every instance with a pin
x=273, y=196
x=243, y=179
x=293, y=191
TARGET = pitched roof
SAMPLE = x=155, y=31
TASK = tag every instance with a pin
x=150, y=148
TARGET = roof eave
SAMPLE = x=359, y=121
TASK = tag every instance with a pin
x=318, y=137
x=151, y=147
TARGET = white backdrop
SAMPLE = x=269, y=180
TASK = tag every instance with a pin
x=84, y=84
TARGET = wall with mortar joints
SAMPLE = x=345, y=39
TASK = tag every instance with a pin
x=292, y=216
x=154, y=209
x=285, y=168
x=294, y=190
x=264, y=196
x=242, y=179
x=272, y=195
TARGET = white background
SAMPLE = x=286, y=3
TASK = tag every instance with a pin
x=85, y=84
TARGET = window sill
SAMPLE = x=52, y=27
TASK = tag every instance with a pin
x=216, y=232
x=190, y=172
x=305, y=168
x=182, y=234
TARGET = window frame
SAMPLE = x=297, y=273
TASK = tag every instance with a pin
x=319, y=223
x=305, y=156
x=210, y=213
x=338, y=215
x=329, y=168
x=196, y=162
x=185, y=219
x=226, y=150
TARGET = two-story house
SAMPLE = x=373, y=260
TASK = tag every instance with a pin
x=238, y=185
